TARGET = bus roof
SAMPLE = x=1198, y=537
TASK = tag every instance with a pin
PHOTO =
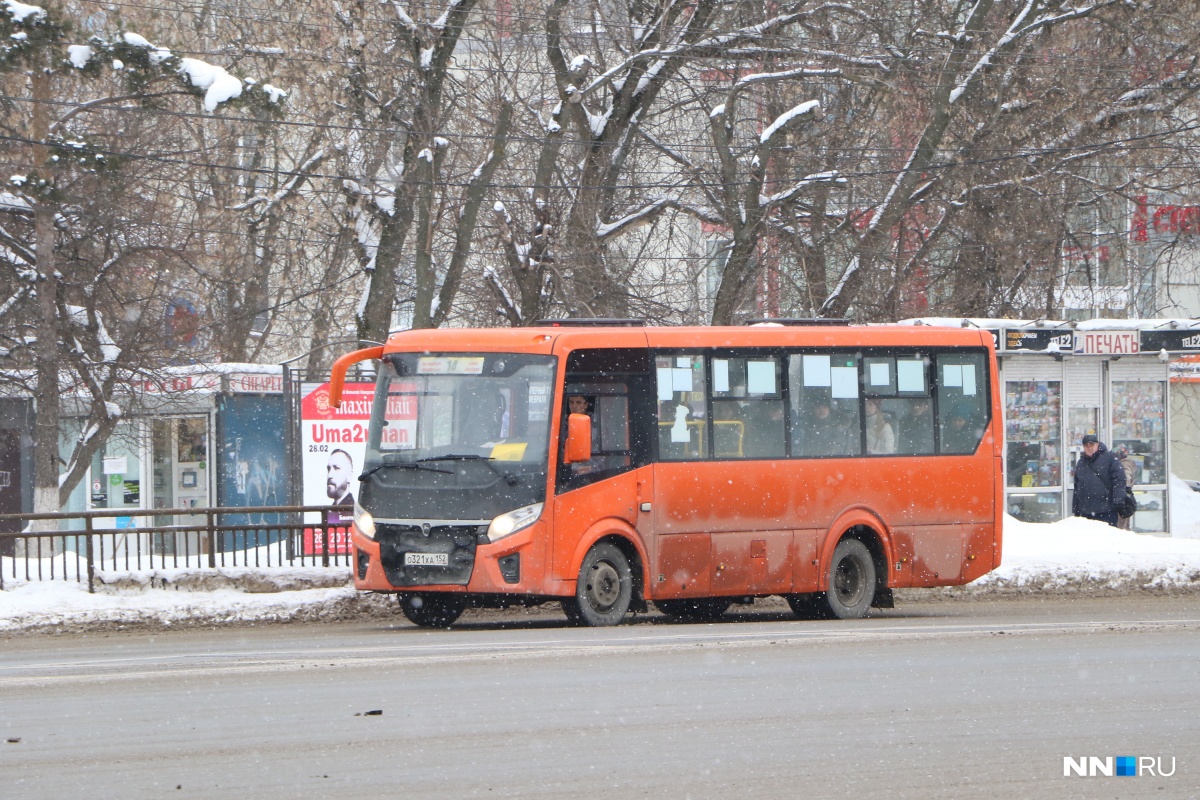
x=558, y=339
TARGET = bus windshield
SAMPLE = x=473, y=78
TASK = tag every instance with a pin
x=458, y=436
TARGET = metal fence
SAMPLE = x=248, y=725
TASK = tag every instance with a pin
x=78, y=546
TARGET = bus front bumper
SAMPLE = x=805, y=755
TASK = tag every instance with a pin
x=509, y=566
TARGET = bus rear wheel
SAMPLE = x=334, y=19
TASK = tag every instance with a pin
x=700, y=609
x=432, y=610
x=851, y=581
x=604, y=589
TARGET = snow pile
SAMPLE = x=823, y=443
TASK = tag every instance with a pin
x=1074, y=556
x=20, y=12
x=157, y=54
x=1079, y=555
x=1185, y=510
x=218, y=84
x=66, y=604
x=79, y=55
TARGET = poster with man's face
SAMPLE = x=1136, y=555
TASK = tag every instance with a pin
x=333, y=442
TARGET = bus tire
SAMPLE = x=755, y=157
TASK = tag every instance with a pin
x=432, y=610
x=604, y=589
x=851, y=581
x=699, y=609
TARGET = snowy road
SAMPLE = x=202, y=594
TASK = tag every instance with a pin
x=963, y=699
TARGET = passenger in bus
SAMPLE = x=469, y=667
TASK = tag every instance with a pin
x=823, y=434
x=959, y=435
x=764, y=437
x=881, y=439
x=915, y=434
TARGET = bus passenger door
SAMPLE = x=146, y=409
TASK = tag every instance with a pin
x=612, y=387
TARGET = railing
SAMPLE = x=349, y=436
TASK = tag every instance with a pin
x=77, y=546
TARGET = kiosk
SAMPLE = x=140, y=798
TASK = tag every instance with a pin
x=1061, y=380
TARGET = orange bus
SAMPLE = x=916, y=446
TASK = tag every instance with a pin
x=612, y=466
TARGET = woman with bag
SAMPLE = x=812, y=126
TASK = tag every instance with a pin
x=1130, y=467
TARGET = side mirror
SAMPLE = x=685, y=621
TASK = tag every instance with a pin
x=579, y=439
x=337, y=378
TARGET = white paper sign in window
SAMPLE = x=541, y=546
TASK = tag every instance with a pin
x=910, y=376
x=952, y=375
x=720, y=375
x=881, y=374
x=816, y=371
x=760, y=377
x=844, y=381
x=968, y=379
x=664, y=383
x=681, y=379
x=679, y=430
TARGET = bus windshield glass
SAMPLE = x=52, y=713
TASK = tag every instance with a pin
x=466, y=432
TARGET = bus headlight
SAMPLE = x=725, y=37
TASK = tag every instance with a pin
x=513, y=521
x=364, y=521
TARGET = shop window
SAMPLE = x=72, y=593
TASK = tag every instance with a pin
x=193, y=440
x=1035, y=506
x=1034, y=418
x=1138, y=408
x=1151, y=515
x=116, y=471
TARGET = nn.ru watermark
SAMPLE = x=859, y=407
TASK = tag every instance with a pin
x=1118, y=766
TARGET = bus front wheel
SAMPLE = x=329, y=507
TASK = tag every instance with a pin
x=604, y=589
x=432, y=610
x=851, y=581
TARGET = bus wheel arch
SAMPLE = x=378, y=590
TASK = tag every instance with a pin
x=606, y=562
x=854, y=575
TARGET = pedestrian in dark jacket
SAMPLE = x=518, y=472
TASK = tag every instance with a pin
x=1099, y=483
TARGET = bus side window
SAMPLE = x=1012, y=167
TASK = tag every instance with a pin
x=962, y=395
x=824, y=404
x=682, y=393
x=747, y=406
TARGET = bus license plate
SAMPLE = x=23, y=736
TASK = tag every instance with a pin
x=426, y=560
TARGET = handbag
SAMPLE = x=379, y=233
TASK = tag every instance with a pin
x=1129, y=507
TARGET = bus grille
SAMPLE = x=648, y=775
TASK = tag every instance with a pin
x=457, y=542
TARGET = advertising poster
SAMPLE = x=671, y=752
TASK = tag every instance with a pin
x=333, y=443
x=252, y=471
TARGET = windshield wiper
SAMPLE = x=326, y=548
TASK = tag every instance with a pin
x=401, y=465
x=509, y=478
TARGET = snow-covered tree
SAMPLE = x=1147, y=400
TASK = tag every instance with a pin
x=85, y=235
